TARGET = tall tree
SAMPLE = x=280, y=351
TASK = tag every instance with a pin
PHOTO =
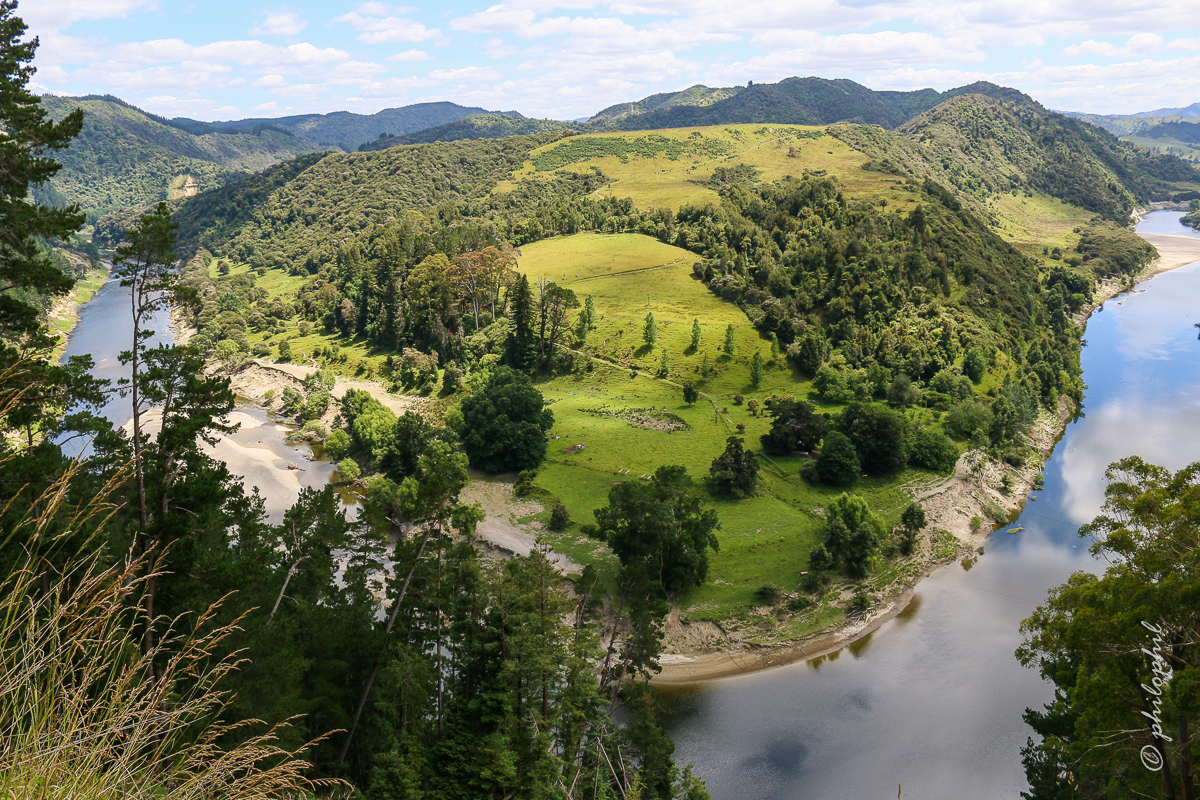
x=522, y=348
x=696, y=333
x=144, y=264
x=554, y=306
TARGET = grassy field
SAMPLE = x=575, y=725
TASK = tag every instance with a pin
x=676, y=173
x=630, y=424
x=1040, y=221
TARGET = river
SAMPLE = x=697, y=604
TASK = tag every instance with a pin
x=257, y=452
x=932, y=701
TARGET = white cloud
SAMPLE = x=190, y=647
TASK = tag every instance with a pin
x=378, y=25
x=465, y=75
x=1136, y=45
x=272, y=81
x=410, y=55
x=55, y=15
x=279, y=23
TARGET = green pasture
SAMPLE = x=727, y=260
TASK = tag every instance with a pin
x=765, y=539
x=674, y=176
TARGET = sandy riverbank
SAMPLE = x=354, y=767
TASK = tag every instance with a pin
x=949, y=506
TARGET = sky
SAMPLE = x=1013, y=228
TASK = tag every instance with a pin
x=567, y=59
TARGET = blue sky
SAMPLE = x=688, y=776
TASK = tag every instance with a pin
x=227, y=59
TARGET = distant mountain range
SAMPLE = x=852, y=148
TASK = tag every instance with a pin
x=345, y=129
x=128, y=158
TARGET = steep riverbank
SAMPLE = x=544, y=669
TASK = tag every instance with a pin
x=700, y=652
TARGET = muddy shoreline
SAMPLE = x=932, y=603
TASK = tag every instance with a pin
x=949, y=506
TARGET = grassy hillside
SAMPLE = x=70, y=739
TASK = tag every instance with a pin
x=476, y=126
x=1180, y=138
x=689, y=165
x=126, y=158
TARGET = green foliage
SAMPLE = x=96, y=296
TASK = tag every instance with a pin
x=664, y=363
x=913, y=521
x=473, y=126
x=730, y=345
x=880, y=436
x=125, y=158
x=852, y=534
x=967, y=417
x=690, y=393
x=756, y=369
x=933, y=450
x=560, y=518
x=650, y=330
x=734, y=473
x=503, y=426
x=660, y=526
x=975, y=364
x=983, y=146
x=696, y=333
x=1119, y=652
x=650, y=146
x=795, y=425
x=838, y=464
x=337, y=445
x=348, y=469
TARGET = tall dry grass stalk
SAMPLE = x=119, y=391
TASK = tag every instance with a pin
x=80, y=719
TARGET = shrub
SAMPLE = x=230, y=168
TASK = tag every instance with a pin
x=348, y=469
x=523, y=485
x=560, y=518
x=337, y=445
x=933, y=451
x=768, y=593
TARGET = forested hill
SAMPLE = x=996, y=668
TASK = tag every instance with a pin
x=476, y=126
x=296, y=215
x=697, y=95
x=127, y=158
x=801, y=101
x=345, y=129
x=982, y=146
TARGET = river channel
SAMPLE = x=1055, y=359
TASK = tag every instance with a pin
x=932, y=701
x=257, y=452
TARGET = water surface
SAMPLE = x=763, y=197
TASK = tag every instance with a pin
x=932, y=701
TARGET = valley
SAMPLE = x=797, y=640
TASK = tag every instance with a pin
x=749, y=428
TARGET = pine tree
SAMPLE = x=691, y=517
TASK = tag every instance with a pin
x=589, y=310
x=522, y=351
x=695, y=334
x=664, y=366
x=774, y=347
x=756, y=369
x=705, y=369
x=650, y=330
x=730, y=346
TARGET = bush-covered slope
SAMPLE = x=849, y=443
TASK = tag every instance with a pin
x=298, y=214
x=126, y=158
x=697, y=95
x=476, y=126
x=802, y=101
x=346, y=129
x=982, y=146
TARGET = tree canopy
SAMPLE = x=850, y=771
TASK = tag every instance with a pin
x=504, y=426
